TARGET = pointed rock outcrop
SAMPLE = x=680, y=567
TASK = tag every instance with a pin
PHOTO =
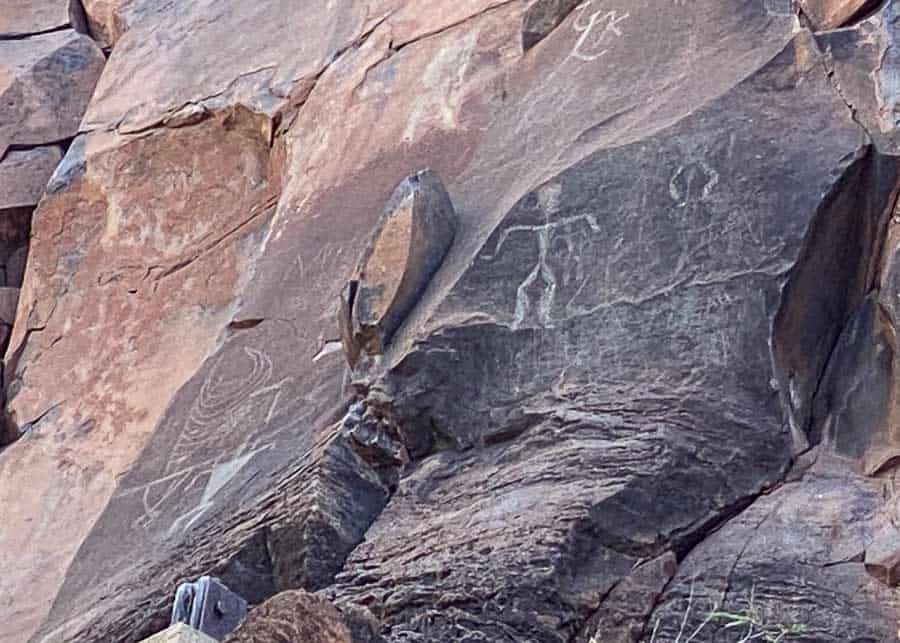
x=407, y=247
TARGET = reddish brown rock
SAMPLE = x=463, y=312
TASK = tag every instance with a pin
x=138, y=252
x=46, y=82
x=23, y=17
x=296, y=616
x=592, y=363
x=24, y=175
x=831, y=14
x=104, y=20
x=882, y=557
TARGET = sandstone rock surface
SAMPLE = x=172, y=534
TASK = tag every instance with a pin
x=832, y=14
x=407, y=247
x=46, y=82
x=25, y=17
x=648, y=371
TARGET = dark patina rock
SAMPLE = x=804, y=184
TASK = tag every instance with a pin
x=793, y=562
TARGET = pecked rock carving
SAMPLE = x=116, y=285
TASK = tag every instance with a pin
x=643, y=367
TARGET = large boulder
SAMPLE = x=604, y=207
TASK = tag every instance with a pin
x=24, y=17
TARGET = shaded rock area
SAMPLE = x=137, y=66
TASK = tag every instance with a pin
x=627, y=363
x=795, y=562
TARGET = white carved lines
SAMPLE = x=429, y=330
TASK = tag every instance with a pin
x=692, y=182
x=219, y=436
x=595, y=32
x=540, y=311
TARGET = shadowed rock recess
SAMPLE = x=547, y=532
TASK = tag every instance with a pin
x=495, y=320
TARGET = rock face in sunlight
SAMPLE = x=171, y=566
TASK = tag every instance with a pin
x=496, y=320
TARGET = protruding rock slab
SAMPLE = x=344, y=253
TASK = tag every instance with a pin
x=23, y=17
x=866, y=65
x=24, y=175
x=793, y=559
x=831, y=14
x=600, y=380
x=407, y=247
x=295, y=616
x=46, y=82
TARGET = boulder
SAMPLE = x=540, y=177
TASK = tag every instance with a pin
x=46, y=82
x=179, y=633
x=295, y=616
x=407, y=246
x=792, y=565
x=24, y=17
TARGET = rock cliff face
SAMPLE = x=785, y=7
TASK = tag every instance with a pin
x=614, y=362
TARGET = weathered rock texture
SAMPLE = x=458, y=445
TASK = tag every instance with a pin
x=297, y=616
x=652, y=373
x=179, y=633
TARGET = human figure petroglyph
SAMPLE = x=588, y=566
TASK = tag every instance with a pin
x=595, y=31
x=546, y=235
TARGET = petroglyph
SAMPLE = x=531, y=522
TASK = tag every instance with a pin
x=563, y=239
x=219, y=436
x=694, y=181
x=596, y=32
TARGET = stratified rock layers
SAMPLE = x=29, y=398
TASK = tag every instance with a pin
x=673, y=224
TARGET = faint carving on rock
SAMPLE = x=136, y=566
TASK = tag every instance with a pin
x=408, y=245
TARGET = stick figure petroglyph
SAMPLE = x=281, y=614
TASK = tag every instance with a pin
x=595, y=31
x=543, y=271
